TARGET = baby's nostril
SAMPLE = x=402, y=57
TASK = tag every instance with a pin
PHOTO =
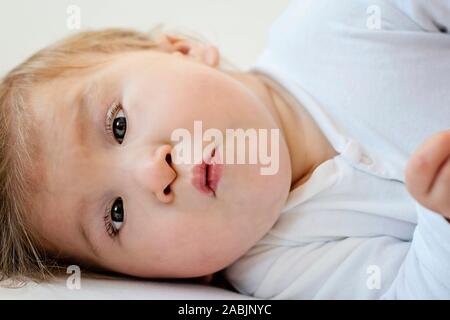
x=168, y=158
x=167, y=190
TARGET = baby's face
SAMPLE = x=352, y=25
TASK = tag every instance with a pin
x=90, y=171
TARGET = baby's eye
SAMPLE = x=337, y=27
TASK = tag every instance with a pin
x=119, y=126
x=116, y=123
x=114, y=217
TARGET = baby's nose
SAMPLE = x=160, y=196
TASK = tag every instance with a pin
x=157, y=174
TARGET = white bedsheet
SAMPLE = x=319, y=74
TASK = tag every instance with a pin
x=118, y=288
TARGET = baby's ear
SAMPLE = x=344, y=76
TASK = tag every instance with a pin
x=200, y=52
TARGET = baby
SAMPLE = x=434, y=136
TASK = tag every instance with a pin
x=91, y=172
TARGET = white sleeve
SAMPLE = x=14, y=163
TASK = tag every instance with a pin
x=425, y=273
x=378, y=267
x=431, y=15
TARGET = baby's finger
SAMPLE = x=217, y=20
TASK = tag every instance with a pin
x=440, y=193
x=425, y=163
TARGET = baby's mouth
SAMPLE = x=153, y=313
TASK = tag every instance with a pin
x=206, y=176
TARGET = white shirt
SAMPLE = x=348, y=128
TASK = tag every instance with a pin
x=352, y=230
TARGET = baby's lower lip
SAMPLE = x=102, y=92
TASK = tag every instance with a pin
x=206, y=177
x=199, y=180
x=214, y=175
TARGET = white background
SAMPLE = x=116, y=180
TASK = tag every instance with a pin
x=238, y=27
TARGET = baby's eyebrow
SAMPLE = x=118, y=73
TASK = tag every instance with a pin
x=84, y=105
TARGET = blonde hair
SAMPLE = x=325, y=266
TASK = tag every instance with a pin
x=22, y=256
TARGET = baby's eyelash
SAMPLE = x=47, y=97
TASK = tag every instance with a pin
x=112, y=232
x=110, y=117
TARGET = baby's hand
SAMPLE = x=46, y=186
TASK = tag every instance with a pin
x=428, y=174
